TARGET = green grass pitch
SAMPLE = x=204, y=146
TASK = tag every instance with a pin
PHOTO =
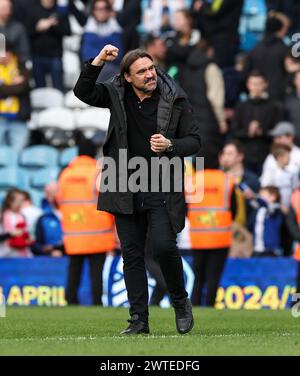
x=95, y=331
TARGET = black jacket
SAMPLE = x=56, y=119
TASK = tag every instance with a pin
x=268, y=113
x=268, y=57
x=175, y=120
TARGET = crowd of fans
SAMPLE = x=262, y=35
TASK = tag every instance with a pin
x=246, y=102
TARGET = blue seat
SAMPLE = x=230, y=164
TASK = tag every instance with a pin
x=67, y=155
x=39, y=156
x=8, y=156
x=13, y=178
x=42, y=177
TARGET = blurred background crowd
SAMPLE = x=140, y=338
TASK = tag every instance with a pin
x=238, y=61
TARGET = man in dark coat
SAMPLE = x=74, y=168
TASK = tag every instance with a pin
x=150, y=118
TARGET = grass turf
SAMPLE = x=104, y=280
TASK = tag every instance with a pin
x=95, y=331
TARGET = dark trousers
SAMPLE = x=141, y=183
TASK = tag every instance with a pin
x=152, y=266
x=48, y=65
x=96, y=262
x=149, y=210
x=208, y=265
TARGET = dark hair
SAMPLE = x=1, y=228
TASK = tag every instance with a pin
x=273, y=24
x=107, y=4
x=273, y=191
x=257, y=73
x=130, y=58
x=26, y=195
x=9, y=199
x=150, y=39
x=237, y=144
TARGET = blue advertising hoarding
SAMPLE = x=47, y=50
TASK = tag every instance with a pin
x=246, y=284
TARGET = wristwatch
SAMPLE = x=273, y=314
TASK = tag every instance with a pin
x=170, y=147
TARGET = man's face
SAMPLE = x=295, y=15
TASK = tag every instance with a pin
x=158, y=49
x=284, y=139
x=230, y=157
x=5, y=9
x=256, y=86
x=142, y=75
x=101, y=11
x=48, y=3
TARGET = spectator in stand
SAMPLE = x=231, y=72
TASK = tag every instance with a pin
x=266, y=223
x=253, y=121
x=48, y=229
x=158, y=15
x=289, y=7
x=182, y=40
x=292, y=66
x=12, y=219
x=203, y=82
x=14, y=33
x=31, y=213
x=269, y=55
x=156, y=47
x=280, y=176
x=284, y=134
x=128, y=14
x=101, y=29
x=46, y=29
x=14, y=100
x=292, y=107
x=246, y=182
x=218, y=21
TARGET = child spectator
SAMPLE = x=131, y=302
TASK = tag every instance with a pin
x=266, y=223
x=12, y=219
x=30, y=212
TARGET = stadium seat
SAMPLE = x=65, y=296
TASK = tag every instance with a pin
x=39, y=156
x=67, y=156
x=46, y=97
x=71, y=65
x=93, y=123
x=8, y=156
x=72, y=102
x=13, y=178
x=42, y=177
x=57, y=125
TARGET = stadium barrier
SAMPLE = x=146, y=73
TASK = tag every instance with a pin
x=246, y=283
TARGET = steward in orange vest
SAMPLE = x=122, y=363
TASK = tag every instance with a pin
x=210, y=222
x=293, y=224
x=88, y=233
x=211, y=219
x=86, y=230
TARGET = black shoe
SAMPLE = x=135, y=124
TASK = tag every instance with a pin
x=183, y=316
x=136, y=327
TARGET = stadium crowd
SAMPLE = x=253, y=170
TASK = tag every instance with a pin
x=238, y=62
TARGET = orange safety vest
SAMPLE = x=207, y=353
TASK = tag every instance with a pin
x=211, y=219
x=86, y=230
x=295, y=203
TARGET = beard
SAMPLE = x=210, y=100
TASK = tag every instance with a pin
x=145, y=89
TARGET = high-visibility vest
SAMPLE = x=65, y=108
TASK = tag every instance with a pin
x=295, y=203
x=211, y=219
x=86, y=230
x=9, y=106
